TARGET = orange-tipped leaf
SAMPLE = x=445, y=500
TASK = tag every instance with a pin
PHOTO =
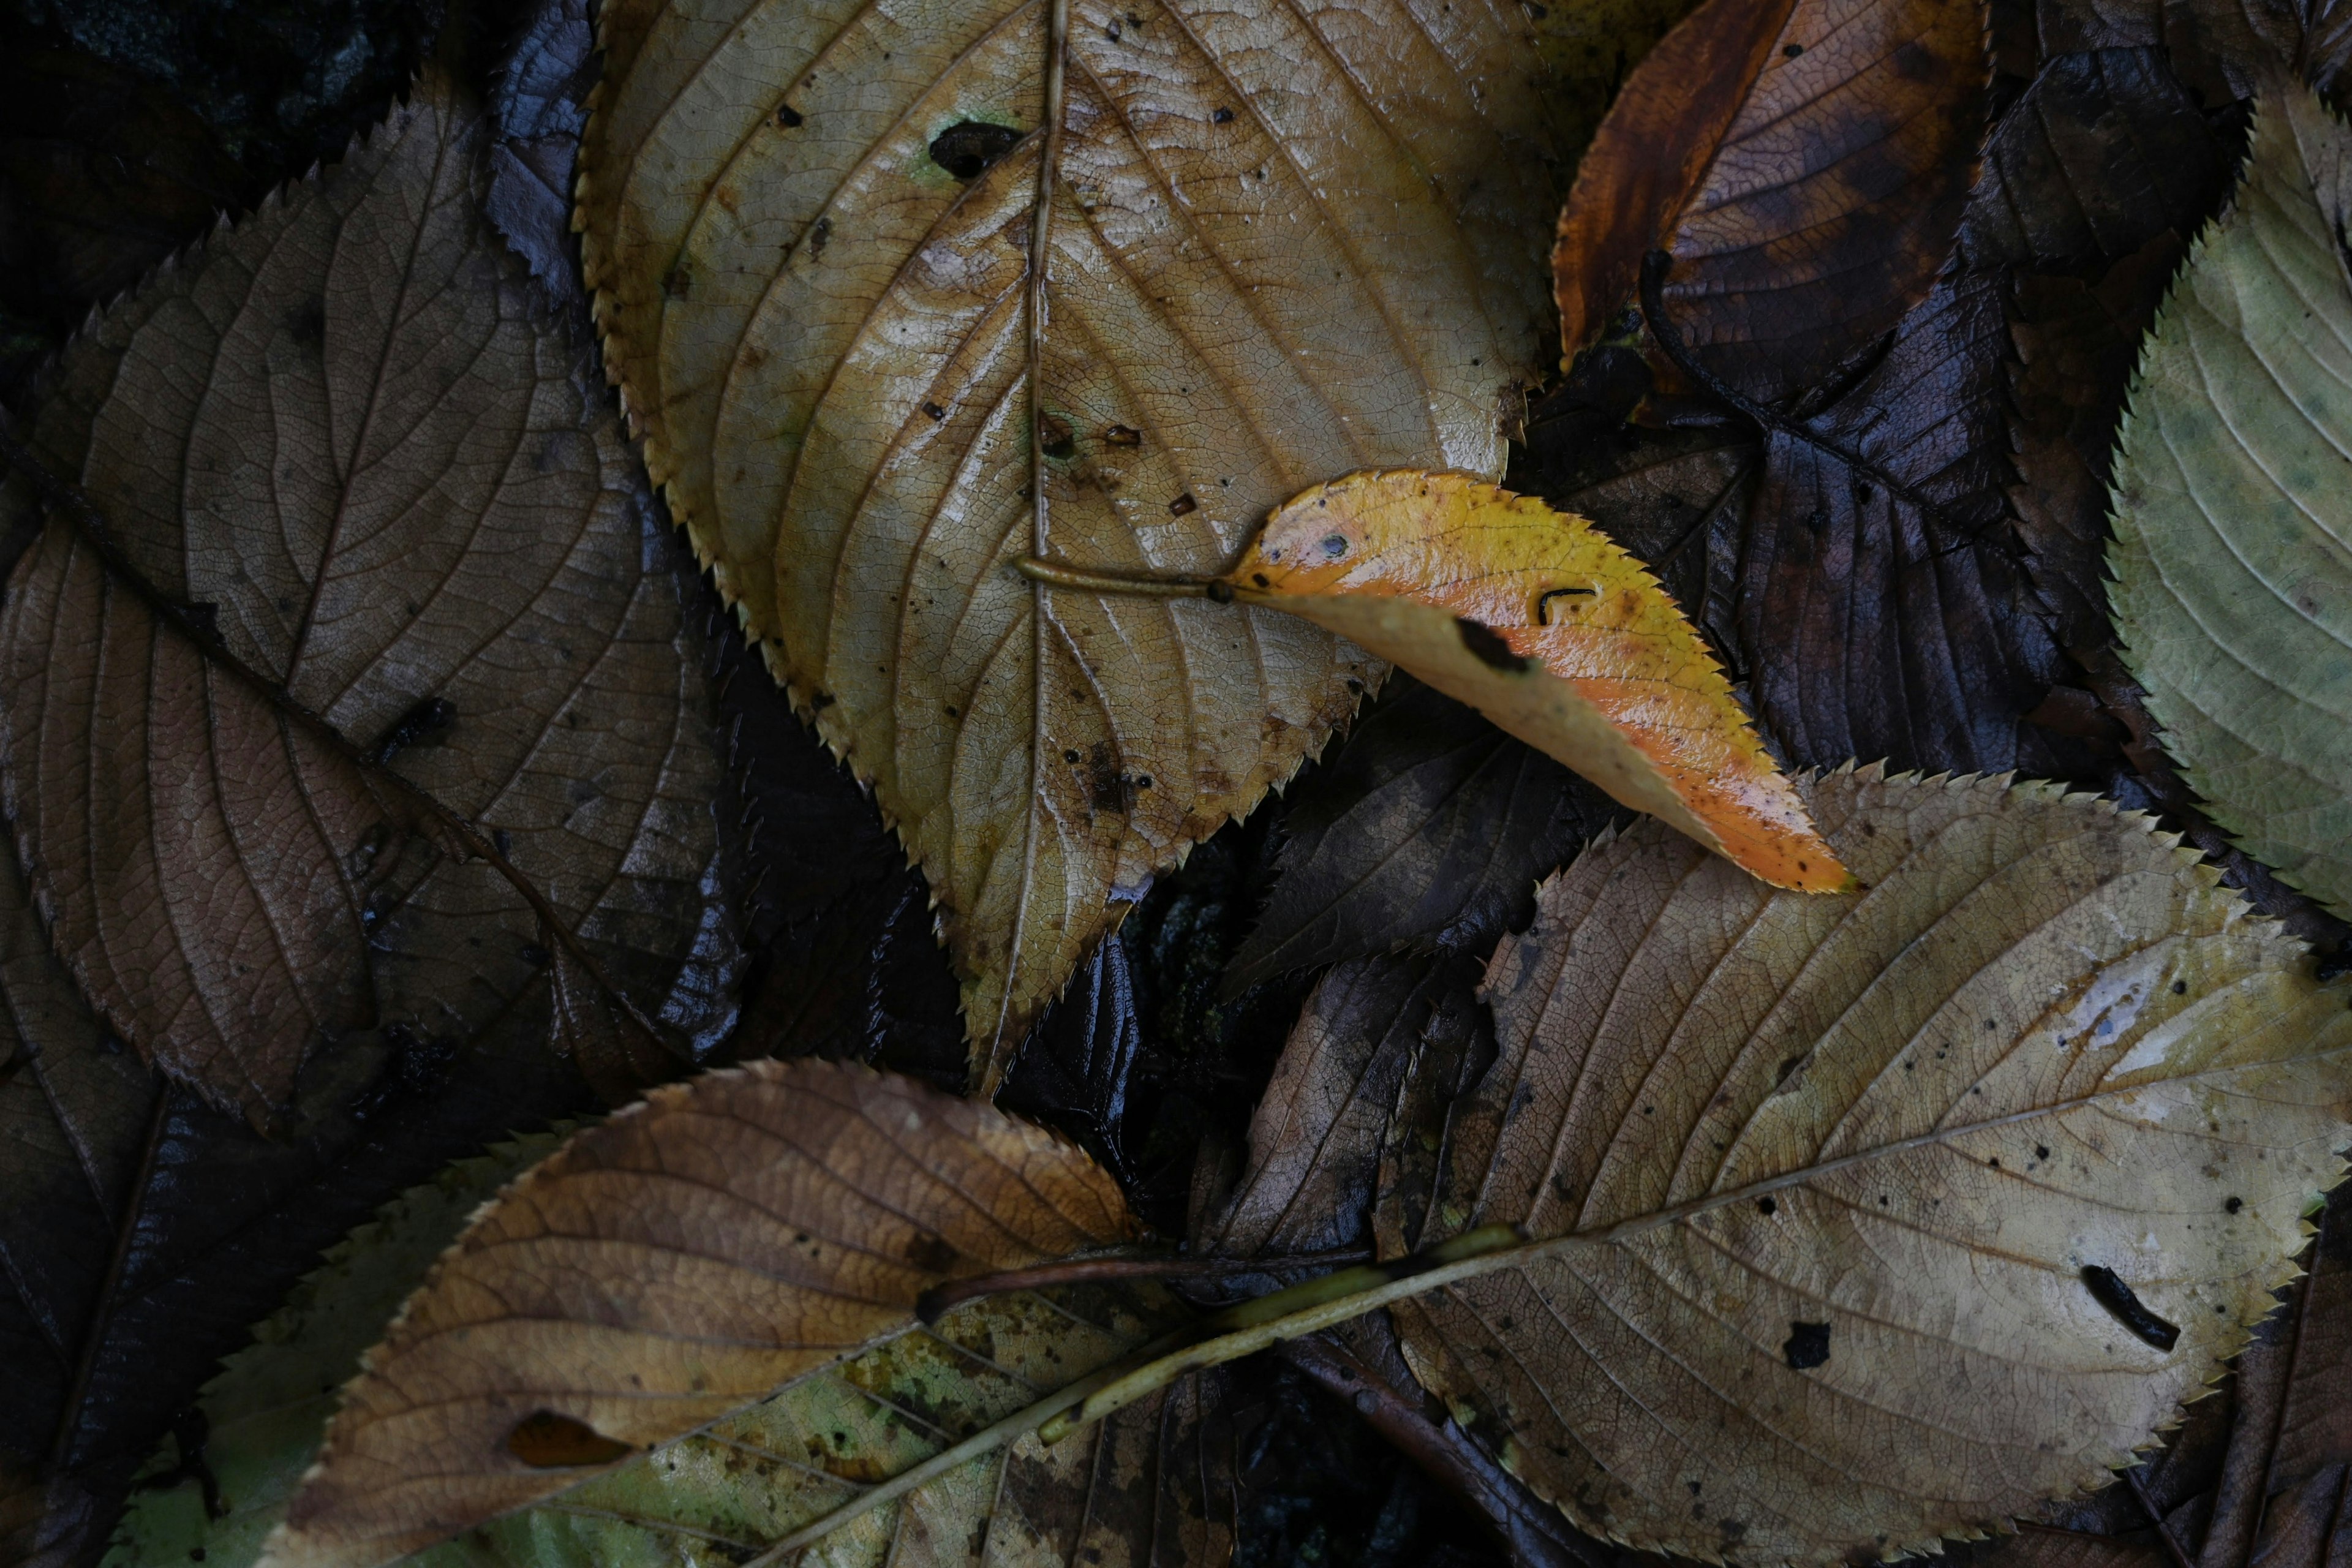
x=1544, y=624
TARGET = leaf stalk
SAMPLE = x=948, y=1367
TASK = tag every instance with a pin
x=1057, y=575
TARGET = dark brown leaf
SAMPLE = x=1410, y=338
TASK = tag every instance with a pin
x=1875, y=627
x=1429, y=826
x=1805, y=164
x=141, y=1233
x=2105, y=153
x=2076, y=343
x=443, y=550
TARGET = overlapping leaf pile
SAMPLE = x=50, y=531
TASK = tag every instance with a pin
x=1077, y=407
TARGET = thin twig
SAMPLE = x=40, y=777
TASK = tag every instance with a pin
x=69, y=500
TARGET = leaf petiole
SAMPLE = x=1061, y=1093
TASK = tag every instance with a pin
x=1054, y=575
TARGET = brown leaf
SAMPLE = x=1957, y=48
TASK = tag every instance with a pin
x=1804, y=160
x=1875, y=625
x=748, y=1229
x=1429, y=826
x=1315, y=1139
x=2076, y=343
x=2105, y=152
x=1902, y=1210
x=434, y=540
x=814, y=280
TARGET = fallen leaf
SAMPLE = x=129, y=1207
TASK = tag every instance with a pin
x=1901, y=1210
x=1314, y=1137
x=1805, y=161
x=142, y=1233
x=2076, y=344
x=760, y=1237
x=2232, y=591
x=1429, y=826
x=438, y=545
x=2105, y=152
x=264, y=1413
x=2070, y=1549
x=540, y=105
x=1891, y=620
x=1547, y=627
x=810, y=235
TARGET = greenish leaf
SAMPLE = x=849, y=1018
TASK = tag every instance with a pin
x=2232, y=555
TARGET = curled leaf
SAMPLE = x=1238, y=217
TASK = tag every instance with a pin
x=1541, y=623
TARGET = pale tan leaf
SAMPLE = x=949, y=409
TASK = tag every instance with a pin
x=692, y=1258
x=348, y=433
x=1282, y=244
x=1859, y=1155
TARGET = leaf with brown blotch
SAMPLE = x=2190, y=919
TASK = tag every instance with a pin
x=1550, y=631
x=1805, y=161
x=1431, y=828
x=348, y=434
x=809, y=231
x=753, y=1231
x=1901, y=1210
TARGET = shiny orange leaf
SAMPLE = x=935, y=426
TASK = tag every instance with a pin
x=1543, y=623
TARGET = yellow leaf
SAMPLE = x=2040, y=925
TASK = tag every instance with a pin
x=1543, y=623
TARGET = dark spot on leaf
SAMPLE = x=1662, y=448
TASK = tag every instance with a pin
x=427, y=722
x=1182, y=504
x=1767, y=1206
x=2180, y=988
x=2109, y=1290
x=1489, y=648
x=1223, y=117
x=2234, y=1204
x=819, y=232
x=2042, y=1150
x=931, y=1254
x=1794, y=50
x=965, y=150
x=546, y=1441
x=1058, y=439
x=788, y=117
x=1122, y=435
x=935, y=411
x=1808, y=1345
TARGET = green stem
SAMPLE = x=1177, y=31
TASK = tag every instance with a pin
x=1304, y=1308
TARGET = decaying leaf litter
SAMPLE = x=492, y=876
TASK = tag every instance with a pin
x=1940, y=472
